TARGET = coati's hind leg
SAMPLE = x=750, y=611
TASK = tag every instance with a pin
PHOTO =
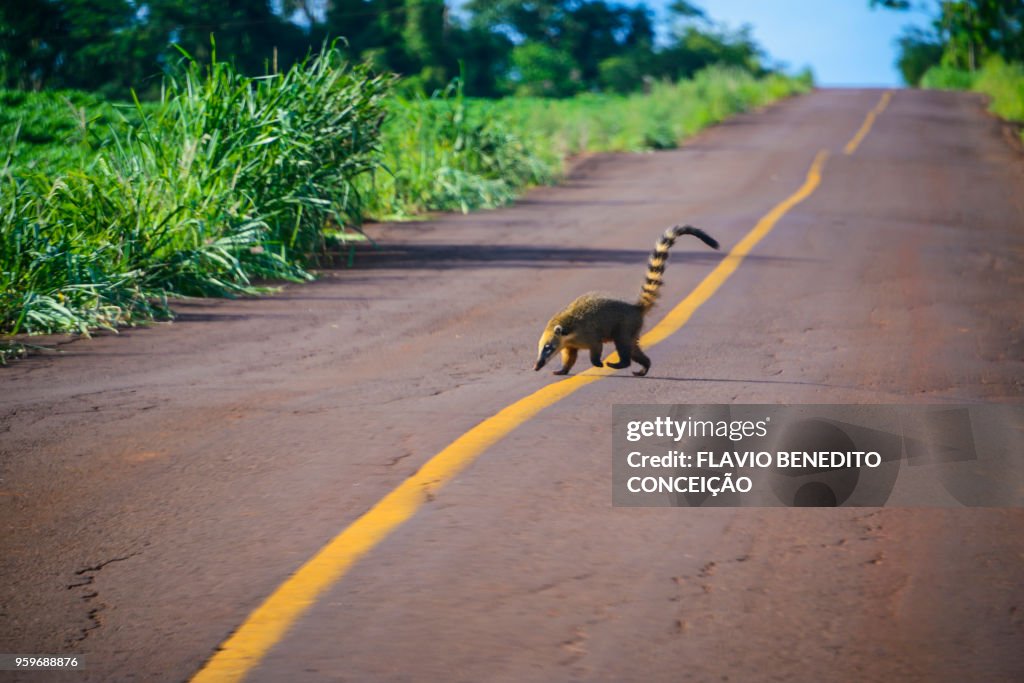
x=568, y=360
x=624, y=348
x=595, y=355
x=640, y=357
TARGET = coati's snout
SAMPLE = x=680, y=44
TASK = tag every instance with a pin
x=549, y=344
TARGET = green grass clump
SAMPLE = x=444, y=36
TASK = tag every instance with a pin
x=227, y=179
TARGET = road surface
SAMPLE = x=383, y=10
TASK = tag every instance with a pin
x=157, y=486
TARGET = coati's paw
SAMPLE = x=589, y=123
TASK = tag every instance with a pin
x=560, y=372
x=641, y=373
x=617, y=366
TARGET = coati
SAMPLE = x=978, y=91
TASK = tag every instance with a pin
x=591, y=320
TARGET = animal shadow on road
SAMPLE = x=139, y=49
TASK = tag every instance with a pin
x=449, y=256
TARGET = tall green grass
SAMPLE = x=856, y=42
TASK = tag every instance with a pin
x=660, y=119
x=455, y=153
x=56, y=130
x=229, y=180
x=1003, y=82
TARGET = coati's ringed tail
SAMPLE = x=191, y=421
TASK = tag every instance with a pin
x=656, y=264
x=591, y=320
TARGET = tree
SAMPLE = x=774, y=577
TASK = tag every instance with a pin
x=550, y=47
x=245, y=32
x=687, y=11
x=542, y=71
x=919, y=51
x=590, y=32
x=482, y=56
x=695, y=49
x=423, y=36
x=31, y=37
x=624, y=73
x=528, y=20
x=968, y=31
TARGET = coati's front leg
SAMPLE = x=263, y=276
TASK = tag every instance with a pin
x=595, y=355
x=641, y=358
x=625, y=350
x=568, y=360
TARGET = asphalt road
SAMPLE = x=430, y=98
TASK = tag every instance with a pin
x=157, y=486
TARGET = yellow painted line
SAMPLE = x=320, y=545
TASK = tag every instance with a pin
x=269, y=622
x=869, y=120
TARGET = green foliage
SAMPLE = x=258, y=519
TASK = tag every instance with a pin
x=973, y=30
x=569, y=46
x=1004, y=83
x=670, y=113
x=696, y=49
x=540, y=48
x=229, y=178
x=451, y=153
x=965, y=34
x=947, y=78
x=918, y=52
x=455, y=153
x=58, y=129
x=542, y=71
x=30, y=33
x=623, y=73
x=1001, y=81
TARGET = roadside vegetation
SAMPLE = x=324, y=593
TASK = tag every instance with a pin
x=1002, y=82
x=227, y=178
x=456, y=153
x=219, y=182
x=972, y=45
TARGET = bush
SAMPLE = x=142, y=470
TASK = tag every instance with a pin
x=1004, y=83
x=947, y=78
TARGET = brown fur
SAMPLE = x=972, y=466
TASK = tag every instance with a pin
x=592, y=320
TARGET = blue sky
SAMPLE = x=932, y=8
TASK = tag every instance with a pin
x=844, y=41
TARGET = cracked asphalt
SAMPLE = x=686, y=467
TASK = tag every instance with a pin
x=156, y=486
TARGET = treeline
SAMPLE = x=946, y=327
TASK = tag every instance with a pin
x=534, y=47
